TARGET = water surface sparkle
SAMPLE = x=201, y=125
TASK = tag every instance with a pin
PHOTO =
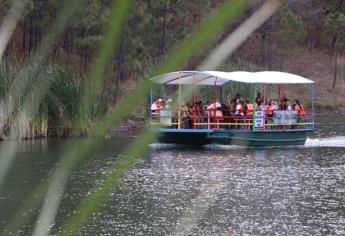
x=245, y=192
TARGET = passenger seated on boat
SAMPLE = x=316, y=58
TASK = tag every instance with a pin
x=215, y=112
x=271, y=108
x=300, y=108
x=239, y=111
x=300, y=111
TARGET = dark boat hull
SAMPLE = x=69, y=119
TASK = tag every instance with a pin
x=183, y=137
x=233, y=137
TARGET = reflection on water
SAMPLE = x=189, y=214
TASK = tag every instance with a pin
x=214, y=190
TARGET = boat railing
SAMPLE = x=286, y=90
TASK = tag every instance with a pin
x=209, y=119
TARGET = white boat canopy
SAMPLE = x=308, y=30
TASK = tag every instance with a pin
x=221, y=78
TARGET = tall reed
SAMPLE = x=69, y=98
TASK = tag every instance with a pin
x=56, y=112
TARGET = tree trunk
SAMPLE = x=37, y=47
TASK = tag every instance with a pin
x=118, y=69
x=335, y=69
x=164, y=29
x=334, y=41
x=263, y=34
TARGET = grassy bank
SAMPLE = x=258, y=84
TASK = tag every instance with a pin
x=44, y=100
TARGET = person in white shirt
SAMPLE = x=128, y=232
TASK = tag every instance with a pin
x=215, y=106
x=153, y=107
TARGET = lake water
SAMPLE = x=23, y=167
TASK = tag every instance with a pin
x=213, y=190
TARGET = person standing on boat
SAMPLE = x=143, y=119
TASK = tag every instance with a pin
x=232, y=103
x=259, y=99
x=283, y=102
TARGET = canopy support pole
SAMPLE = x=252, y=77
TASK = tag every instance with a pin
x=282, y=102
x=215, y=100
x=179, y=107
x=194, y=108
x=312, y=104
x=151, y=103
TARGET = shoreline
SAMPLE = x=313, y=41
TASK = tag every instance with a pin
x=133, y=127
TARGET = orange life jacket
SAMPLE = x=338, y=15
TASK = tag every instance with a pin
x=270, y=110
x=301, y=111
x=250, y=109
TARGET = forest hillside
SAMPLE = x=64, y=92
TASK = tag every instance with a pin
x=305, y=37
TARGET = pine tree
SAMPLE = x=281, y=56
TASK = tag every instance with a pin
x=335, y=26
x=292, y=26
